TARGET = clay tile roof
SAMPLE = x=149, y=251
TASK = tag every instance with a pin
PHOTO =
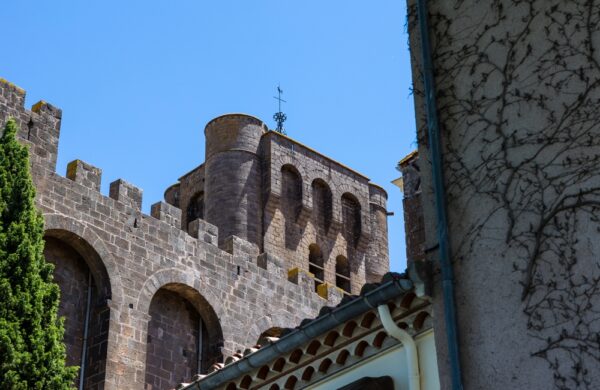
x=391, y=286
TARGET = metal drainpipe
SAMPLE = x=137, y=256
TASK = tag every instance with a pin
x=440, y=199
x=412, y=354
x=85, y=332
x=199, y=370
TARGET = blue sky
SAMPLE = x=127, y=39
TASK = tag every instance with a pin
x=138, y=80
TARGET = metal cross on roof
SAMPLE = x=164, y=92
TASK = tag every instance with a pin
x=279, y=116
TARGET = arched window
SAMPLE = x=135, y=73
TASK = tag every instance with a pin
x=322, y=204
x=84, y=286
x=342, y=274
x=291, y=191
x=195, y=208
x=351, y=219
x=184, y=334
x=315, y=264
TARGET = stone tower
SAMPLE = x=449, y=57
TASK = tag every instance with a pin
x=233, y=179
x=287, y=200
x=260, y=236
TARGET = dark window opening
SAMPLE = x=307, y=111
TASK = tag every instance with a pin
x=195, y=207
x=322, y=204
x=342, y=274
x=351, y=219
x=291, y=191
x=315, y=264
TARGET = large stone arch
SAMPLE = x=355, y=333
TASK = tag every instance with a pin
x=81, y=270
x=91, y=247
x=183, y=321
x=279, y=319
x=174, y=276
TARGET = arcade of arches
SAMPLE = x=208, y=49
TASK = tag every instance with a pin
x=184, y=335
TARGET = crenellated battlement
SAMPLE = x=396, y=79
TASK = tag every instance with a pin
x=39, y=126
x=229, y=254
x=44, y=118
x=240, y=250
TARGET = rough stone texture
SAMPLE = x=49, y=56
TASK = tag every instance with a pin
x=166, y=212
x=84, y=174
x=172, y=353
x=413, y=209
x=71, y=274
x=180, y=195
x=231, y=269
x=284, y=197
x=126, y=193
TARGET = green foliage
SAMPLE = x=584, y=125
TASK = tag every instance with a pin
x=32, y=354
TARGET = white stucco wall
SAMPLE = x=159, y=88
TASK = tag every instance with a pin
x=517, y=93
x=390, y=363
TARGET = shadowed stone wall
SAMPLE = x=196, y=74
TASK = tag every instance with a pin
x=71, y=274
x=172, y=348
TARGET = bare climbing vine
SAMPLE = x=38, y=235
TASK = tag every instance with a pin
x=518, y=86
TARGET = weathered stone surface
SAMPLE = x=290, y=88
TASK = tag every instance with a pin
x=172, y=270
x=84, y=174
x=166, y=212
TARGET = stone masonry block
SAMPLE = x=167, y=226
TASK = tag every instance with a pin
x=166, y=212
x=330, y=292
x=84, y=174
x=239, y=247
x=302, y=278
x=43, y=107
x=271, y=263
x=11, y=94
x=126, y=193
x=204, y=231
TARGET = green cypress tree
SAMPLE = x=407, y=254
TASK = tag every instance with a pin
x=32, y=353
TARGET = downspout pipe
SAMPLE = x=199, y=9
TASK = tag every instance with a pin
x=370, y=300
x=85, y=332
x=440, y=198
x=412, y=355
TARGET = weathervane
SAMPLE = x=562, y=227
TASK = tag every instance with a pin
x=279, y=116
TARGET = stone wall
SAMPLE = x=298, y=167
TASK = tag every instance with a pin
x=236, y=291
x=311, y=225
x=71, y=274
x=412, y=205
x=191, y=185
x=284, y=197
x=173, y=341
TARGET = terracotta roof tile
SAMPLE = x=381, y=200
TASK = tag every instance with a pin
x=324, y=311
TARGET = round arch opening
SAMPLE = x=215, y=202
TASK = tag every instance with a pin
x=184, y=333
x=85, y=291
